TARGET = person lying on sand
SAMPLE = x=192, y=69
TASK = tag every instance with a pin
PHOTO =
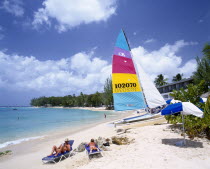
x=62, y=148
x=92, y=145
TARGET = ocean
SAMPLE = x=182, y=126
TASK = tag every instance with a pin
x=20, y=124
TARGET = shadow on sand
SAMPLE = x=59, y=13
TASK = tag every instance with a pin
x=189, y=143
x=57, y=160
x=91, y=156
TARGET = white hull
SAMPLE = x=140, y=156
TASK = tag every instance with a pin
x=138, y=118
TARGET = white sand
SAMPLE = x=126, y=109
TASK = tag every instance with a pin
x=153, y=148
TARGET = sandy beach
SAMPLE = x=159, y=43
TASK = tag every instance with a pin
x=153, y=147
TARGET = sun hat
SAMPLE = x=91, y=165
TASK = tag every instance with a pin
x=66, y=139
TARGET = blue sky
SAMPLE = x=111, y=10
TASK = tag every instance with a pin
x=61, y=47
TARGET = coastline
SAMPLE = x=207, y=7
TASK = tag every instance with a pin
x=84, y=108
x=61, y=133
x=95, y=117
x=153, y=148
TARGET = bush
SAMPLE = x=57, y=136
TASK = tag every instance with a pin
x=195, y=127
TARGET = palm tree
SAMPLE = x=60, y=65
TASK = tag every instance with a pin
x=203, y=67
x=108, y=97
x=177, y=78
x=206, y=50
x=160, y=80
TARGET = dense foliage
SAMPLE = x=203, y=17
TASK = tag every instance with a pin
x=108, y=98
x=92, y=100
x=203, y=68
x=194, y=126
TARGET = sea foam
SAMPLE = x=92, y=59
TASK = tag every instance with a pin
x=18, y=141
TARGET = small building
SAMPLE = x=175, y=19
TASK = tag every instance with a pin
x=165, y=90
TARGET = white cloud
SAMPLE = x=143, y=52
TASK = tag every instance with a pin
x=149, y=41
x=41, y=18
x=80, y=61
x=71, y=13
x=81, y=72
x=14, y=7
x=165, y=60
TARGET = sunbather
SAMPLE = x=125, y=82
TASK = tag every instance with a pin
x=92, y=145
x=62, y=148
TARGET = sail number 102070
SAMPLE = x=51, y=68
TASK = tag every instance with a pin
x=125, y=85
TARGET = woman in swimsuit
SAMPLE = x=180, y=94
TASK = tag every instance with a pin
x=62, y=148
x=92, y=145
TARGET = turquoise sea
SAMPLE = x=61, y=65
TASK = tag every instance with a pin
x=24, y=123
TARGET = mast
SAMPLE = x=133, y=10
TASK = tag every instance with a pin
x=152, y=96
x=135, y=68
x=126, y=39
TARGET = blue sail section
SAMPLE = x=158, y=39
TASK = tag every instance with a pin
x=128, y=101
x=122, y=42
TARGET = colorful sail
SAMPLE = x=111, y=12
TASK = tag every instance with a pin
x=127, y=91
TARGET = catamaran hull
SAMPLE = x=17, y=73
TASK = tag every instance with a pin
x=138, y=118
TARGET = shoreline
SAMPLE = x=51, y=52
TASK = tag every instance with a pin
x=83, y=108
x=110, y=115
x=153, y=147
x=61, y=133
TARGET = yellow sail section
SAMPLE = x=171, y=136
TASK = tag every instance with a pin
x=123, y=82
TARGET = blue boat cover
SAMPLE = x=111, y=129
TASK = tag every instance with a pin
x=172, y=108
x=168, y=101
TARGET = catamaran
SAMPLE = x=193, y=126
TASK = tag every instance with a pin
x=132, y=88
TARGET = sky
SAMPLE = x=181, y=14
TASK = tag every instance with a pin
x=64, y=47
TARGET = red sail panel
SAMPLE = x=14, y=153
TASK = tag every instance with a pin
x=122, y=65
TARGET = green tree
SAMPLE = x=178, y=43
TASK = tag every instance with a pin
x=191, y=94
x=82, y=96
x=177, y=78
x=89, y=102
x=96, y=99
x=206, y=50
x=207, y=117
x=108, y=96
x=203, y=68
x=160, y=80
x=194, y=126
